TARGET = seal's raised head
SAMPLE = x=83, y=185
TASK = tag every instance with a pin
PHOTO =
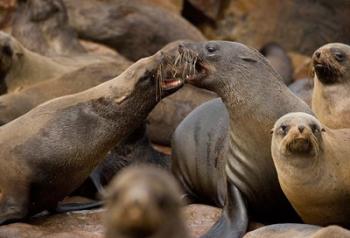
x=142, y=201
x=216, y=60
x=331, y=62
x=10, y=49
x=297, y=135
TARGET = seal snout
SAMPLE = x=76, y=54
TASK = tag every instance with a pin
x=327, y=63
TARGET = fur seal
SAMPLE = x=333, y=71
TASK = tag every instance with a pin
x=42, y=26
x=21, y=68
x=249, y=88
x=170, y=111
x=69, y=136
x=144, y=202
x=330, y=98
x=280, y=61
x=133, y=28
x=311, y=163
x=15, y=104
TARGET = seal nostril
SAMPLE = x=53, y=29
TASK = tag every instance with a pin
x=318, y=54
x=301, y=128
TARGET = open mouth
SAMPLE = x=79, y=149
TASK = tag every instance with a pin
x=168, y=84
x=300, y=146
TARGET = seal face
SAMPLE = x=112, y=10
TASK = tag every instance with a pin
x=298, y=135
x=144, y=201
x=330, y=98
x=331, y=62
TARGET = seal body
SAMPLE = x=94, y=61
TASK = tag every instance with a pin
x=144, y=202
x=330, y=98
x=133, y=28
x=249, y=88
x=311, y=163
x=69, y=136
x=42, y=26
x=15, y=104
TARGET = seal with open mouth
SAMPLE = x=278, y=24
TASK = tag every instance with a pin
x=144, y=201
x=48, y=152
x=330, y=99
x=312, y=166
x=234, y=135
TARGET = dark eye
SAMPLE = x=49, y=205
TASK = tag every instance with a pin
x=339, y=56
x=314, y=128
x=6, y=49
x=211, y=48
x=284, y=129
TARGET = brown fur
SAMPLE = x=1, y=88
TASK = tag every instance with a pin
x=144, y=202
x=51, y=150
x=313, y=175
x=330, y=99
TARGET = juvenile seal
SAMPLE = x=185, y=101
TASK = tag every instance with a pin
x=312, y=167
x=330, y=98
x=15, y=104
x=133, y=28
x=144, y=202
x=250, y=89
x=42, y=26
x=69, y=136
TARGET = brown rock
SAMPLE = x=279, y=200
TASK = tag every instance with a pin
x=172, y=5
x=300, y=26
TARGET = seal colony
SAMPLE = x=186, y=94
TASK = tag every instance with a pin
x=61, y=132
x=243, y=79
x=313, y=168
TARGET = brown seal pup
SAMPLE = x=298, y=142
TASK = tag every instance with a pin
x=311, y=163
x=250, y=89
x=15, y=104
x=69, y=136
x=144, y=202
x=20, y=67
x=133, y=28
x=42, y=26
x=330, y=99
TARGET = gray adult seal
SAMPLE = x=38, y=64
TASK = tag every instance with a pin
x=42, y=26
x=144, y=201
x=133, y=28
x=69, y=136
x=249, y=89
x=330, y=98
x=312, y=167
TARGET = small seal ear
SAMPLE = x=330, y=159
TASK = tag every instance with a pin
x=271, y=131
x=323, y=130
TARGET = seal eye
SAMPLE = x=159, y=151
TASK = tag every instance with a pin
x=314, y=128
x=211, y=48
x=6, y=49
x=339, y=56
x=283, y=129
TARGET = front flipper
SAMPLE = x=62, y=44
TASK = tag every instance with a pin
x=233, y=222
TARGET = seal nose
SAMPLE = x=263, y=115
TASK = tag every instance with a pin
x=317, y=54
x=301, y=129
